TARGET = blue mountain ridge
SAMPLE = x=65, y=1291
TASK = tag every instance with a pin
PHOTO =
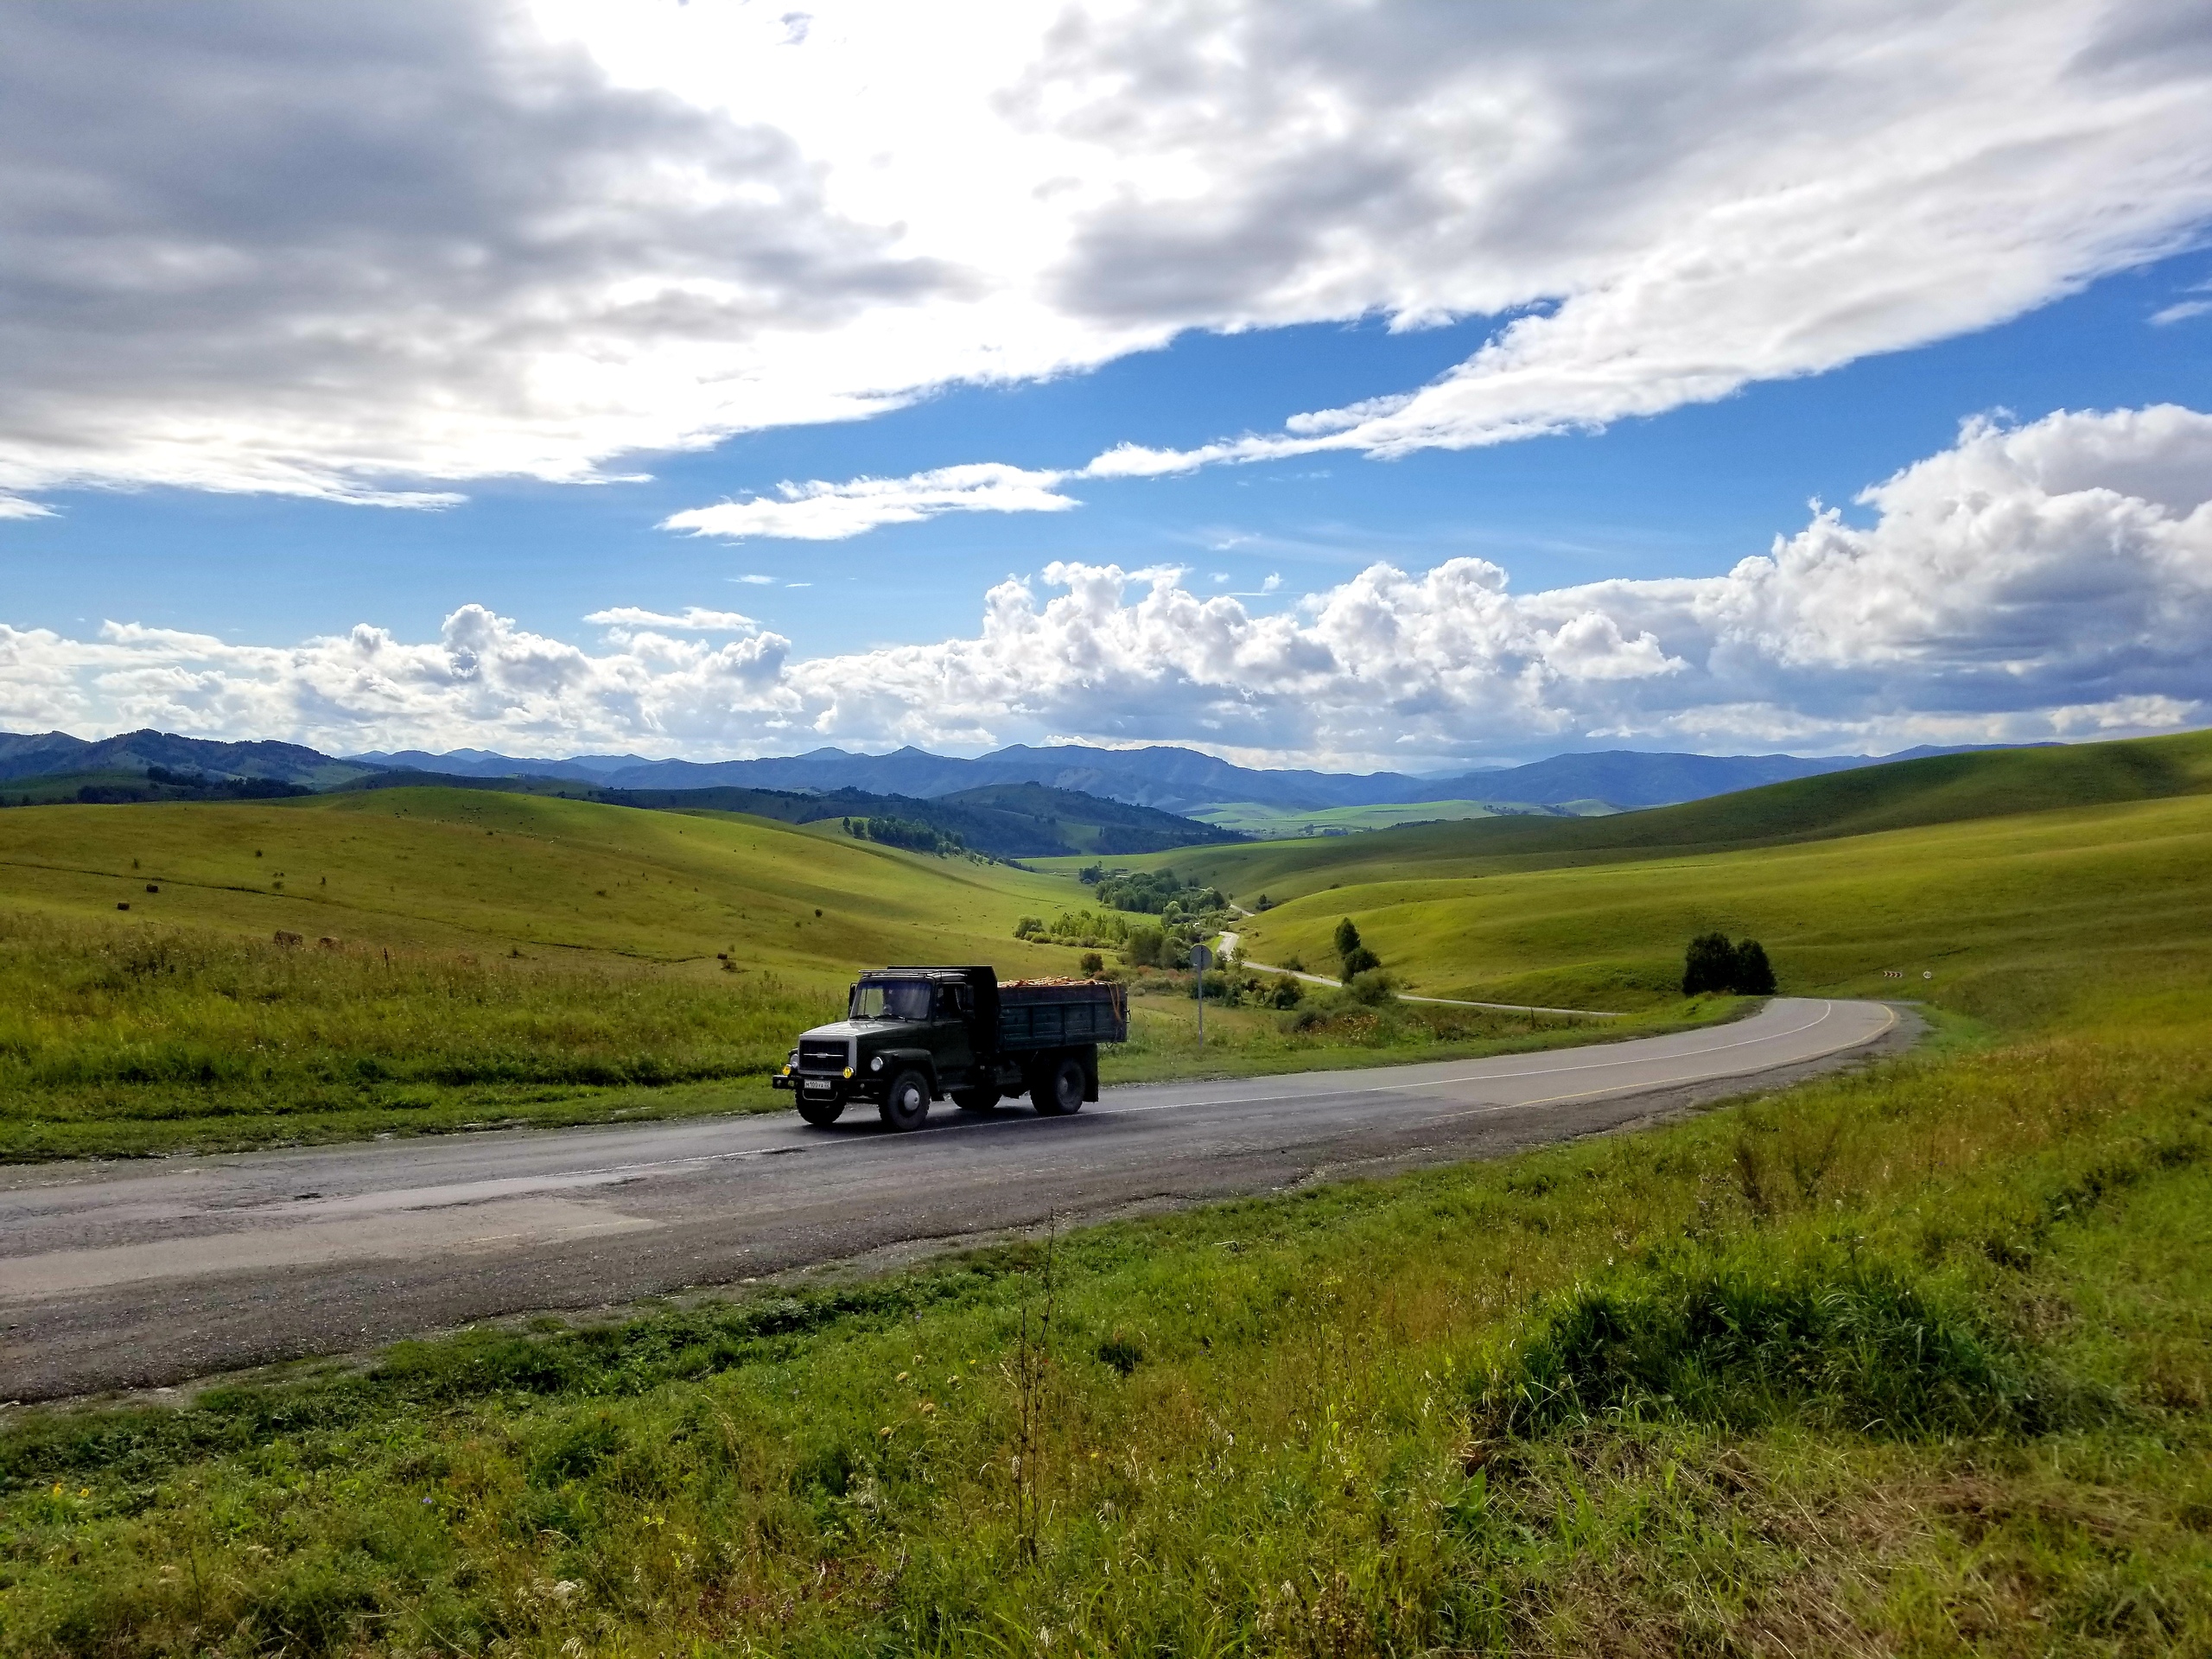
x=1170, y=779
x=1178, y=779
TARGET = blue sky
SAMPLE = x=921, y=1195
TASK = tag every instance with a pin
x=1686, y=493
x=1466, y=359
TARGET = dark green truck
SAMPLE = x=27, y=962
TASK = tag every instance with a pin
x=911, y=1036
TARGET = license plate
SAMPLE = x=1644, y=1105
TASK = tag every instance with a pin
x=817, y=1088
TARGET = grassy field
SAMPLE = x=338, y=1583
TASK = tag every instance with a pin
x=2025, y=912
x=1917, y=1360
x=1278, y=823
x=492, y=957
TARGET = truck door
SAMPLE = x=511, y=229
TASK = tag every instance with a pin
x=950, y=1037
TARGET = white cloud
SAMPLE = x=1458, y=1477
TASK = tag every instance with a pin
x=2053, y=578
x=691, y=619
x=818, y=511
x=365, y=251
x=2180, y=312
x=755, y=580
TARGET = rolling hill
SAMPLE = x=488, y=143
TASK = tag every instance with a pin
x=406, y=959
x=1903, y=794
x=482, y=871
x=2015, y=887
x=1000, y=820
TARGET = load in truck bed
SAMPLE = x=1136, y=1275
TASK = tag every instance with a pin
x=1059, y=1013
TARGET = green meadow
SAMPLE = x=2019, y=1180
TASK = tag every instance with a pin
x=464, y=957
x=2007, y=914
x=1912, y=1360
x=201, y=975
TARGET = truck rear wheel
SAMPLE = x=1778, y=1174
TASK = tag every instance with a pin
x=906, y=1103
x=974, y=1100
x=819, y=1112
x=1056, y=1087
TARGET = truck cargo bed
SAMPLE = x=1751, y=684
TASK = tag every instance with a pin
x=1066, y=1014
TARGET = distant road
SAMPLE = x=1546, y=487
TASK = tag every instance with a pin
x=146, y=1273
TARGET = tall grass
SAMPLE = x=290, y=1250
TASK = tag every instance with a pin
x=103, y=1027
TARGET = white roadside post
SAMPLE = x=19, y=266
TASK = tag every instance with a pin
x=1201, y=959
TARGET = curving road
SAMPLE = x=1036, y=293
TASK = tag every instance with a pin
x=145, y=1275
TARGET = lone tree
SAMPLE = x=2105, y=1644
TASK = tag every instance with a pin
x=1713, y=964
x=1356, y=957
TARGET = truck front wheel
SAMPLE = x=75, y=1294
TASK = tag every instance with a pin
x=906, y=1103
x=820, y=1112
x=1056, y=1089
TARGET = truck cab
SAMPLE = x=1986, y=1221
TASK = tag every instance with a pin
x=913, y=1035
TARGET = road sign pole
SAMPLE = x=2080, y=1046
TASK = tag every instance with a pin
x=1201, y=959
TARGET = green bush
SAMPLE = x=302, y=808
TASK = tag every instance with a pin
x=1765, y=1331
x=1369, y=987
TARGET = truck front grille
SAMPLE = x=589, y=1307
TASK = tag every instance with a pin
x=823, y=1054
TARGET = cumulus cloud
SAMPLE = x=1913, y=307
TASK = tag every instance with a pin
x=366, y=250
x=2053, y=578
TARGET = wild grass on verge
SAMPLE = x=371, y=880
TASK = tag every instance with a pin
x=1912, y=1361
x=116, y=1041
x=1244, y=1041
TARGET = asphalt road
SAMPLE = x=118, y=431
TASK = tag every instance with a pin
x=143, y=1275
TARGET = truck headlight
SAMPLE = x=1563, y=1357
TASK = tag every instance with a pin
x=787, y=1071
x=876, y=1065
x=848, y=1071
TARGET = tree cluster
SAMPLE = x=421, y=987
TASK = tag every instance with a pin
x=1713, y=964
x=1152, y=892
x=909, y=833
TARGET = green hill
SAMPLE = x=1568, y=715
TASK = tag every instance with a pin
x=1939, y=789
x=999, y=820
x=2029, y=914
x=462, y=956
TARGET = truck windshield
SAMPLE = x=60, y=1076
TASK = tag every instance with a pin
x=895, y=999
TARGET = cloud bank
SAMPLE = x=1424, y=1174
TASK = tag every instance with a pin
x=366, y=251
x=2053, y=578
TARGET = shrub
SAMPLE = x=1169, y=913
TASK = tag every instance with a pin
x=1284, y=992
x=1370, y=986
x=1143, y=948
x=1092, y=964
x=1360, y=960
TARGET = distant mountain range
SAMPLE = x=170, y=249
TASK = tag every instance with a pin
x=1175, y=780
x=56, y=753
x=1169, y=781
